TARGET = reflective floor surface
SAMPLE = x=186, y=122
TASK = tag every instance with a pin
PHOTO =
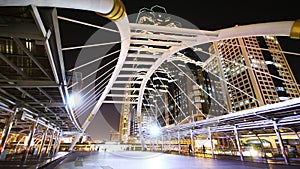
x=154, y=160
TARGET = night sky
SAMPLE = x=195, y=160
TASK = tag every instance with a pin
x=214, y=15
x=208, y=15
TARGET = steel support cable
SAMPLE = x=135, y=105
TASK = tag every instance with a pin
x=97, y=70
x=110, y=9
x=270, y=50
x=88, y=105
x=104, y=66
x=90, y=46
x=86, y=24
x=254, y=69
x=225, y=109
x=85, y=64
x=100, y=83
x=183, y=44
x=169, y=95
x=187, y=45
x=226, y=82
x=138, y=105
x=147, y=100
x=153, y=115
x=150, y=108
x=188, y=97
x=226, y=33
x=81, y=90
x=82, y=109
x=87, y=99
x=201, y=88
x=162, y=113
x=185, y=95
x=167, y=108
x=122, y=56
x=231, y=85
x=159, y=110
x=148, y=112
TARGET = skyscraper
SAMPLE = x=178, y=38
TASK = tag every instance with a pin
x=256, y=72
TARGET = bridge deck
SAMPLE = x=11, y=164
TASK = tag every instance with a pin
x=150, y=160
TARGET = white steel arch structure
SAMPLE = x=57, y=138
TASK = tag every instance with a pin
x=286, y=28
x=114, y=10
x=111, y=9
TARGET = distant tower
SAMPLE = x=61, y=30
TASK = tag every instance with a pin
x=124, y=125
x=252, y=64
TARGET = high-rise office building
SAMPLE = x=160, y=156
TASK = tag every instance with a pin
x=242, y=73
x=255, y=70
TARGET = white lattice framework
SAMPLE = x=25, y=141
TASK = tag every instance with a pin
x=186, y=38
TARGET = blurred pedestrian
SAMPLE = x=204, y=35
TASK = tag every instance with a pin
x=190, y=149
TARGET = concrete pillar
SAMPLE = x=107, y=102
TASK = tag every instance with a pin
x=211, y=142
x=238, y=142
x=40, y=151
x=31, y=134
x=286, y=160
x=6, y=131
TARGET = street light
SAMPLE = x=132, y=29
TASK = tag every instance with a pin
x=154, y=131
x=74, y=100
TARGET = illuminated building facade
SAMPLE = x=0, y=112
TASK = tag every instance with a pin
x=242, y=73
x=256, y=70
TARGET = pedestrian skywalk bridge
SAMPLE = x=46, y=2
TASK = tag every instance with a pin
x=143, y=49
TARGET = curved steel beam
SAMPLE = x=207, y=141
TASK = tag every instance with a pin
x=110, y=9
x=283, y=28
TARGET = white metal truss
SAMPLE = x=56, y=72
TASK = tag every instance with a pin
x=145, y=47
